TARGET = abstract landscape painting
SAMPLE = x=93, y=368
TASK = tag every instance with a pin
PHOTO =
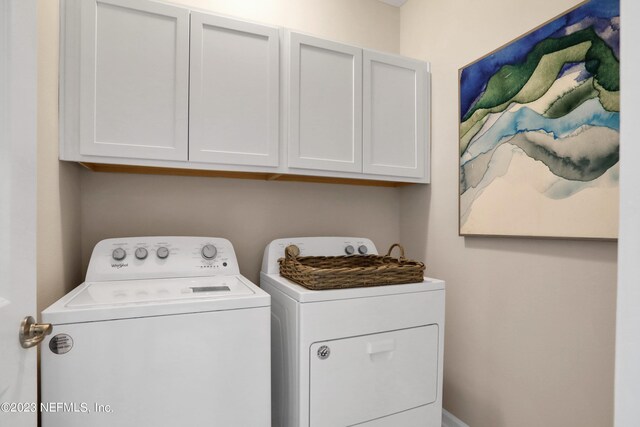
x=539, y=131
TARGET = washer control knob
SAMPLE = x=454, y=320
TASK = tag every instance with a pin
x=349, y=250
x=141, y=253
x=162, y=252
x=209, y=251
x=119, y=254
x=362, y=249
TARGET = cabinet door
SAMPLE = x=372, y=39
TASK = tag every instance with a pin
x=235, y=100
x=395, y=138
x=325, y=105
x=134, y=79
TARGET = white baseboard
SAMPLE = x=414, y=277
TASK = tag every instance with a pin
x=449, y=420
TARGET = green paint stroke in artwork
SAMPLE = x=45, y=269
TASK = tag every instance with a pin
x=511, y=79
x=547, y=71
x=581, y=164
x=473, y=172
x=572, y=100
x=468, y=136
x=538, y=83
x=610, y=100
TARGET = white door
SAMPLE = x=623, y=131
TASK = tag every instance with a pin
x=134, y=88
x=395, y=96
x=17, y=207
x=325, y=105
x=234, y=92
x=627, y=378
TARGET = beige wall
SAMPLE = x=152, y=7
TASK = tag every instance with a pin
x=249, y=213
x=58, y=233
x=530, y=322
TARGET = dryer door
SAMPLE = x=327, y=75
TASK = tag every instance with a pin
x=354, y=380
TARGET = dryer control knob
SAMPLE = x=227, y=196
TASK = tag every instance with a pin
x=362, y=249
x=209, y=251
x=324, y=352
x=349, y=250
x=141, y=253
x=119, y=254
x=162, y=252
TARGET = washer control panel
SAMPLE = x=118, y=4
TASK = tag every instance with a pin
x=132, y=258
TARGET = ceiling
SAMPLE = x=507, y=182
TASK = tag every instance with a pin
x=396, y=3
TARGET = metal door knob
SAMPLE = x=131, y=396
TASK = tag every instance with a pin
x=32, y=333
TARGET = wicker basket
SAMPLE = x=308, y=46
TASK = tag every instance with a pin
x=353, y=271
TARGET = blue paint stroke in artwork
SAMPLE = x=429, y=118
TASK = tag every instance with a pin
x=590, y=113
x=474, y=78
x=572, y=67
x=608, y=29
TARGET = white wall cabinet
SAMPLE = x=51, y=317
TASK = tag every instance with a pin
x=234, y=93
x=395, y=96
x=148, y=84
x=134, y=79
x=325, y=104
x=356, y=110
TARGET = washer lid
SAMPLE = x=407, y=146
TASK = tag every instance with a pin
x=158, y=290
x=93, y=301
x=302, y=294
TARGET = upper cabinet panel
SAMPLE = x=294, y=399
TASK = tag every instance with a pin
x=395, y=138
x=234, y=94
x=325, y=105
x=146, y=83
x=134, y=79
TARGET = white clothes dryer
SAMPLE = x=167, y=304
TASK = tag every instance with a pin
x=362, y=356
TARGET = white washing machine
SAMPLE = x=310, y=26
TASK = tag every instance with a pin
x=165, y=332
x=363, y=356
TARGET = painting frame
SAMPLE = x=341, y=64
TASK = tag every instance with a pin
x=460, y=159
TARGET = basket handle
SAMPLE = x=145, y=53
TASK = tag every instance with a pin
x=291, y=252
x=396, y=245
